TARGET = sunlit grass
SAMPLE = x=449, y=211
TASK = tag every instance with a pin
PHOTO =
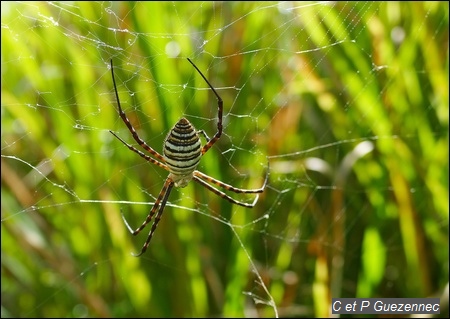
x=348, y=100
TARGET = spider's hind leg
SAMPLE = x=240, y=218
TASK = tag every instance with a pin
x=203, y=133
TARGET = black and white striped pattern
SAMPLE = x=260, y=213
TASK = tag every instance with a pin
x=182, y=149
x=181, y=154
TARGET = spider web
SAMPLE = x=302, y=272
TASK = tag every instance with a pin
x=315, y=91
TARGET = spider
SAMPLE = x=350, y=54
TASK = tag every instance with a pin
x=182, y=151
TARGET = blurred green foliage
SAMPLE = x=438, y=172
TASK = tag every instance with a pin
x=349, y=101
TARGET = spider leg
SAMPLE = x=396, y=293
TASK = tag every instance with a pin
x=128, y=123
x=216, y=136
x=146, y=157
x=228, y=187
x=223, y=195
x=159, y=203
x=202, y=179
x=204, y=135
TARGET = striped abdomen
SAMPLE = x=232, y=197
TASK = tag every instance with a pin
x=182, y=152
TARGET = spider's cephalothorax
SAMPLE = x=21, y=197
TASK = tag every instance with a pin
x=182, y=152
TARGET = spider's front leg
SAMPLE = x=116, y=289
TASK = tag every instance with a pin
x=159, y=205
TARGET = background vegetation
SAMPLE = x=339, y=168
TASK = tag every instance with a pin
x=348, y=100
